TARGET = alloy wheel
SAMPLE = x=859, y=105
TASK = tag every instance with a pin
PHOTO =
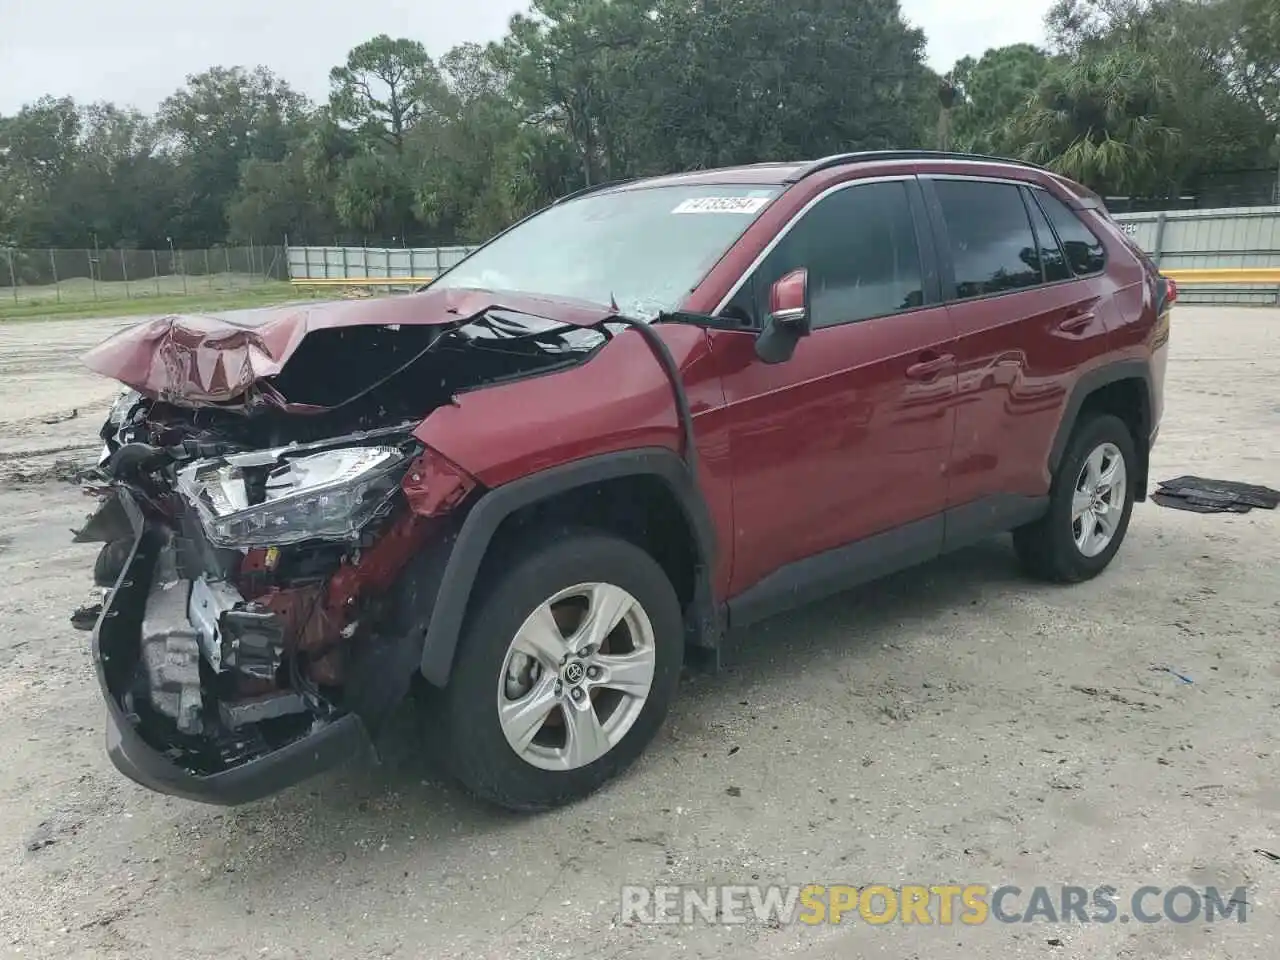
x=576, y=676
x=1099, y=499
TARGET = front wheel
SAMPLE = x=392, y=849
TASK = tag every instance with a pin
x=565, y=669
x=1089, y=505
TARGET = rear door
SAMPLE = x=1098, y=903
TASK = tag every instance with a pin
x=1025, y=325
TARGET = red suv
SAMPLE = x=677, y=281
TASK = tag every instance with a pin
x=649, y=415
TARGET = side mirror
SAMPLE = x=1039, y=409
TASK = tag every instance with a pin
x=789, y=301
x=788, y=318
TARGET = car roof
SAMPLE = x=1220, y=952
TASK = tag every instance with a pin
x=783, y=174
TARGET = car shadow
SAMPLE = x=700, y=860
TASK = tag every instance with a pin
x=407, y=794
x=874, y=613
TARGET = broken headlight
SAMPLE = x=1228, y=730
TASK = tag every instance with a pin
x=260, y=500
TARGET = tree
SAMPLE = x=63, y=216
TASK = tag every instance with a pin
x=1185, y=72
x=803, y=79
x=383, y=88
x=74, y=175
x=373, y=195
x=1097, y=120
x=40, y=144
x=570, y=63
x=1238, y=40
x=39, y=148
x=125, y=185
x=643, y=87
x=1253, y=53
x=221, y=119
x=1134, y=96
x=279, y=198
x=470, y=73
x=1073, y=25
x=994, y=88
x=476, y=163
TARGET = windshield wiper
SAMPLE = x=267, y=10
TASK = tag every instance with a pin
x=704, y=320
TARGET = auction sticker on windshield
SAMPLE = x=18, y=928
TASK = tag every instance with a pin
x=721, y=205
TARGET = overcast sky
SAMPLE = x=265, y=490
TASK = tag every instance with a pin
x=138, y=51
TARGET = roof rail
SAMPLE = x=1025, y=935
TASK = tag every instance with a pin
x=868, y=156
x=573, y=195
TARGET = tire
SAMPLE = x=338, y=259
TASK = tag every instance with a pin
x=1050, y=548
x=110, y=563
x=556, y=768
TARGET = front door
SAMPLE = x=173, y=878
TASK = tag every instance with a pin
x=849, y=437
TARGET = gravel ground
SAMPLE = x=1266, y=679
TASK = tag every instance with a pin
x=952, y=724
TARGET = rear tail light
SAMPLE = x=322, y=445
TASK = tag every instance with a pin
x=1171, y=287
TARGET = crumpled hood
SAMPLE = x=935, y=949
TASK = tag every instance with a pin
x=198, y=359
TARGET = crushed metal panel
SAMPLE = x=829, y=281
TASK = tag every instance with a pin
x=200, y=360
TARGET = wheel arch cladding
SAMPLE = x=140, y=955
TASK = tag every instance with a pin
x=656, y=481
x=1122, y=389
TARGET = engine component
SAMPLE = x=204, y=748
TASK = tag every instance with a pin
x=255, y=709
x=210, y=599
x=252, y=642
x=171, y=654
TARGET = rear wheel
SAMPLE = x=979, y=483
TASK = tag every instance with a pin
x=566, y=667
x=1089, y=507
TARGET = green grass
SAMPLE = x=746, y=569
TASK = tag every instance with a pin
x=74, y=289
x=43, y=303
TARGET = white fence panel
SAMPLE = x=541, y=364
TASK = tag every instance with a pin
x=354, y=263
x=1222, y=238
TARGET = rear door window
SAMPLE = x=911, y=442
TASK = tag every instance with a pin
x=1084, y=250
x=1052, y=260
x=992, y=246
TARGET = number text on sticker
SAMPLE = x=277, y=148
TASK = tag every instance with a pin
x=721, y=205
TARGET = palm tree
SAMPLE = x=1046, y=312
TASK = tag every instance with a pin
x=1100, y=120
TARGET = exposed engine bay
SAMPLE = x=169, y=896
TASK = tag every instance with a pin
x=265, y=537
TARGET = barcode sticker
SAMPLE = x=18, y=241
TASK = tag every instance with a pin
x=721, y=205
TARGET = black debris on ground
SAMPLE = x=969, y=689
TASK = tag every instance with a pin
x=1200, y=495
x=41, y=837
x=86, y=616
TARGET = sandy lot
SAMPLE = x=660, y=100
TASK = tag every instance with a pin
x=952, y=724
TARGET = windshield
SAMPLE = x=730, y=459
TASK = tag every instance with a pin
x=644, y=248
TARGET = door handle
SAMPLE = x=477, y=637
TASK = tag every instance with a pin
x=929, y=366
x=1076, y=323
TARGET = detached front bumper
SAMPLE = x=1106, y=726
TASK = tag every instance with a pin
x=116, y=642
x=253, y=780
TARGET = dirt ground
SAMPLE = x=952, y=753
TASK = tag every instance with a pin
x=952, y=724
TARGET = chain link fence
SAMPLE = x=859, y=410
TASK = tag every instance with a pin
x=71, y=276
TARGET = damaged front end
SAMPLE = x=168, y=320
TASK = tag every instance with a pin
x=261, y=585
